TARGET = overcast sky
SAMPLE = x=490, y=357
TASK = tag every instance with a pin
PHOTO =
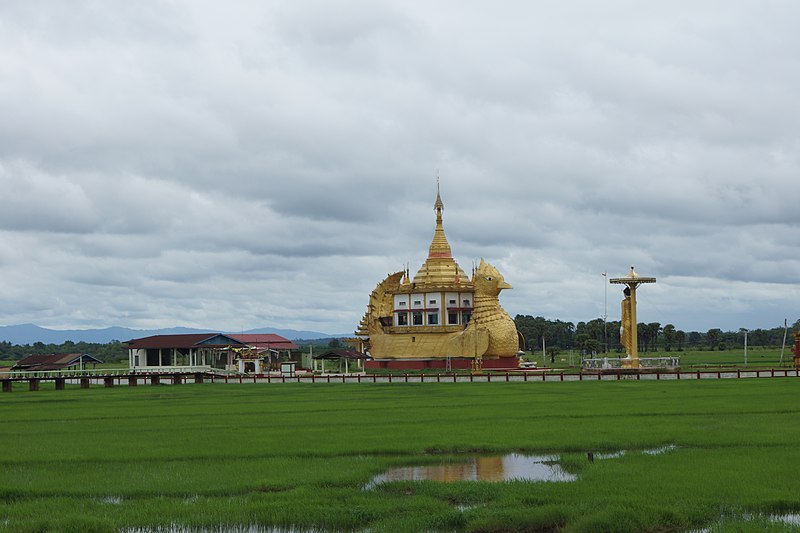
x=233, y=165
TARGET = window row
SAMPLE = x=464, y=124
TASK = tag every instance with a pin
x=419, y=318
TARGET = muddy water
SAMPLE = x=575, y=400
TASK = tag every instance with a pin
x=496, y=468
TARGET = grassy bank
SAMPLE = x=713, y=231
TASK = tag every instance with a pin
x=210, y=455
x=690, y=359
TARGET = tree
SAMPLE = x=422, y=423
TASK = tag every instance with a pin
x=669, y=337
x=694, y=338
x=713, y=336
x=643, y=334
x=653, y=328
x=333, y=344
x=680, y=337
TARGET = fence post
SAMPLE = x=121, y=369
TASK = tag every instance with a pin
x=84, y=383
x=33, y=384
x=7, y=385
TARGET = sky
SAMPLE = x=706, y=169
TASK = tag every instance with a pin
x=246, y=164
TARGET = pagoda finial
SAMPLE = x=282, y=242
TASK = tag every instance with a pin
x=439, y=247
x=439, y=205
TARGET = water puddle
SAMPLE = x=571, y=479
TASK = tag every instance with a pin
x=660, y=450
x=650, y=451
x=609, y=455
x=221, y=529
x=791, y=519
x=787, y=519
x=511, y=467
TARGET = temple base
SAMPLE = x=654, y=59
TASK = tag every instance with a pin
x=456, y=363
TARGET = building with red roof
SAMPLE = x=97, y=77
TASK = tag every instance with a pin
x=251, y=353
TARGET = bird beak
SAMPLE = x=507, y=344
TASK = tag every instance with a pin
x=504, y=285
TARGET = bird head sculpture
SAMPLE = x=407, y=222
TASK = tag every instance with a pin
x=488, y=281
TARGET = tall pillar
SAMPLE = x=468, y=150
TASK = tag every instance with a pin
x=631, y=281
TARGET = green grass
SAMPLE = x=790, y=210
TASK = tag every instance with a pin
x=691, y=359
x=299, y=455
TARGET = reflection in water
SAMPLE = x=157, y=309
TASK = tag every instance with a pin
x=792, y=519
x=660, y=450
x=499, y=468
x=226, y=528
x=650, y=451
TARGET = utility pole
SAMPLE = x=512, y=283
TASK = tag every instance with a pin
x=605, y=310
x=745, y=345
x=785, y=330
x=544, y=352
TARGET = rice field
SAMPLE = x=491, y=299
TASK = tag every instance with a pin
x=298, y=456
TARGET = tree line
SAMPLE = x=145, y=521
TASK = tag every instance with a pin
x=110, y=352
x=595, y=335
x=555, y=335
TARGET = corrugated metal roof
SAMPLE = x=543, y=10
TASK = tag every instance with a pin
x=186, y=340
x=265, y=340
x=53, y=361
x=341, y=354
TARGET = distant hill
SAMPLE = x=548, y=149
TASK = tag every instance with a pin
x=31, y=333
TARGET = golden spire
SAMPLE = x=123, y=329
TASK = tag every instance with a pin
x=440, y=270
x=439, y=246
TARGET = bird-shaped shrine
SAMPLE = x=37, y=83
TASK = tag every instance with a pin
x=440, y=318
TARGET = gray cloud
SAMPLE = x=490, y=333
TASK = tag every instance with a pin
x=267, y=164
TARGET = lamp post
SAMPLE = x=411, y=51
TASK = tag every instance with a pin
x=745, y=345
x=605, y=311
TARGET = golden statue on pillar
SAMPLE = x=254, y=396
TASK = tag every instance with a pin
x=625, y=324
x=628, y=333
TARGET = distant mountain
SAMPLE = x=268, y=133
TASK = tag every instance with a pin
x=31, y=333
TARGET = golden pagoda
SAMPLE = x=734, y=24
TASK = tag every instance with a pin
x=441, y=318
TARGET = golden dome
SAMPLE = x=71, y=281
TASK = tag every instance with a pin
x=440, y=269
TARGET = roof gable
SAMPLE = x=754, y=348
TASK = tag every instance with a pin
x=53, y=361
x=265, y=340
x=188, y=340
